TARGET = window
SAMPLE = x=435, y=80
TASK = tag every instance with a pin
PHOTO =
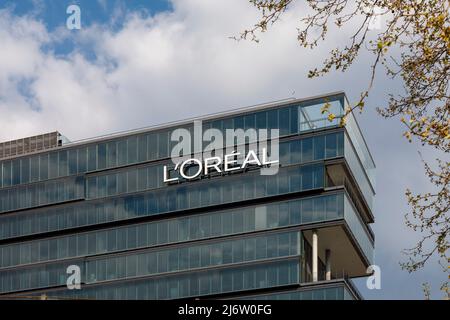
x=272, y=117
x=227, y=248
x=163, y=259
x=112, y=154
x=307, y=178
x=319, y=209
x=92, y=158
x=102, y=241
x=25, y=170
x=162, y=232
x=261, y=248
x=331, y=146
x=238, y=122
x=307, y=149
x=152, y=141
x=132, y=181
x=34, y=168
x=53, y=165
x=101, y=185
x=112, y=184
x=285, y=153
x=307, y=210
x=284, y=123
x=216, y=255
x=112, y=239
x=131, y=266
x=250, y=121
x=238, y=251
x=261, y=280
x=152, y=173
x=92, y=243
x=82, y=160
x=283, y=244
x=272, y=246
x=142, y=179
x=260, y=217
x=319, y=147
x=131, y=237
x=102, y=156
x=205, y=256
x=15, y=172
x=142, y=148
x=163, y=144
x=249, y=249
x=132, y=149
x=205, y=225
x=261, y=120
x=121, y=182
x=92, y=187
x=122, y=152
x=73, y=159
x=7, y=174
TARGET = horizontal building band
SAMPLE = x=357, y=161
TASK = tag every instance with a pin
x=193, y=227
x=156, y=261
x=175, y=230
x=209, y=282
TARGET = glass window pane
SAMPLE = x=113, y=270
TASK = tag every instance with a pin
x=319, y=147
x=82, y=160
x=63, y=164
x=73, y=161
x=163, y=144
x=307, y=149
x=284, y=121
x=16, y=172
x=112, y=154
x=122, y=152
x=53, y=165
x=142, y=148
x=25, y=170
x=34, y=169
x=152, y=146
x=331, y=146
x=92, y=158
x=101, y=156
x=132, y=150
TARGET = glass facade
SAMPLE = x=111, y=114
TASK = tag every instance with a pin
x=199, y=193
x=103, y=206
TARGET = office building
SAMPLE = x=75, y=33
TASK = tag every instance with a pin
x=103, y=205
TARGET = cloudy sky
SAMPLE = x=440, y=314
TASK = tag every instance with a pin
x=138, y=63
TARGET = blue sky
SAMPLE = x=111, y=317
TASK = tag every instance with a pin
x=138, y=63
x=52, y=12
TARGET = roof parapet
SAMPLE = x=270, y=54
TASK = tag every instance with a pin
x=23, y=146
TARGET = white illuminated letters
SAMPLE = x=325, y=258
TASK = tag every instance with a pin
x=227, y=164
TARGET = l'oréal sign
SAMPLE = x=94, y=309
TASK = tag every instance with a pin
x=229, y=163
x=221, y=154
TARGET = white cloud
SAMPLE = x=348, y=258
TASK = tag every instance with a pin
x=174, y=64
